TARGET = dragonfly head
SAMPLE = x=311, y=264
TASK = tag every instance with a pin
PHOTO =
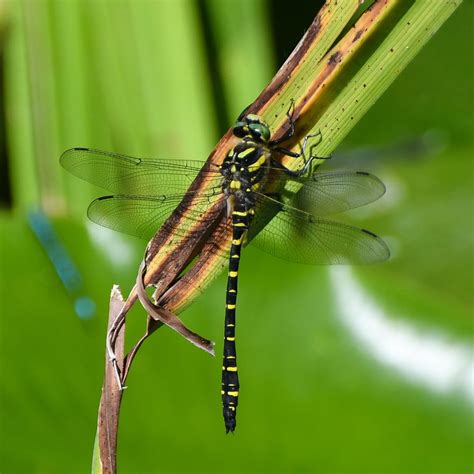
x=254, y=127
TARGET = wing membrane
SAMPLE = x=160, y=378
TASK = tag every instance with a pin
x=293, y=235
x=324, y=194
x=149, y=190
x=142, y=216
x=123, y=174
x=321, y=194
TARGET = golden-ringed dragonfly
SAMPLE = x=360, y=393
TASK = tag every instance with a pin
x=289, y=221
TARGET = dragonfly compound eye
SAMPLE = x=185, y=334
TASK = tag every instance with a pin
x=260, y=131
x=241, y=129
x=252, y=125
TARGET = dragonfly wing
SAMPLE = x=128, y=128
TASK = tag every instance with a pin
x=323, y=194
x=297, y=236
x=142, y=216
x=123, y=174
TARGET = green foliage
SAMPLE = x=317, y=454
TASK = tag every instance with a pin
x=373, y=71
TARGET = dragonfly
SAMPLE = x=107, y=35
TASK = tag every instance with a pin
x=261, y=202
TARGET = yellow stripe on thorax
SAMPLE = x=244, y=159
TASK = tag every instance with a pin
x=246, y=152
x=258, y=164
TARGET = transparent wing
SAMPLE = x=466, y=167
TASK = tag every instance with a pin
x=123, y=174
x=291, y=234
x=320, y=194
x=323, y=194
x=142, y=216
x=297, y=236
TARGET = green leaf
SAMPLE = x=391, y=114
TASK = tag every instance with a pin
x=395, y=49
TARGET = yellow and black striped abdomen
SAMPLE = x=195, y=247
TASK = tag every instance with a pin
x=230, y=378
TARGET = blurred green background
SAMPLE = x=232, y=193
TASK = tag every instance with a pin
x=343, y=369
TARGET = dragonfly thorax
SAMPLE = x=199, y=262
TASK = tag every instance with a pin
x=245, y=166
x=244, y=170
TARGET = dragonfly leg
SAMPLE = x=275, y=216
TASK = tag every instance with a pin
x=285, y=151
x=291, y=129
x=302, y=154
x=307, y=161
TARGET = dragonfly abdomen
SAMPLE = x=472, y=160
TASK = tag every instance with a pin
x=241, y=217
